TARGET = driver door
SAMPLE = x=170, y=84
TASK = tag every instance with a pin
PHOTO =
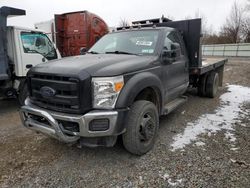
x=175, y=73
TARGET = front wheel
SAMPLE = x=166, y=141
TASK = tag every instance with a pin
x=141, y=127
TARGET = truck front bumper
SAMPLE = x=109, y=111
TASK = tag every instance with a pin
x=97, y=123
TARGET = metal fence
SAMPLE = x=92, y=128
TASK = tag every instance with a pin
x=229, y=50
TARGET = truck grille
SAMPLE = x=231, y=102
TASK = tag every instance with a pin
x=66, y=98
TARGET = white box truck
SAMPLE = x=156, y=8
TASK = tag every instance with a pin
x=20, y=49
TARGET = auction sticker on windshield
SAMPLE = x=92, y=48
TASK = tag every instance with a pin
x=144, y=43
x=149, y=51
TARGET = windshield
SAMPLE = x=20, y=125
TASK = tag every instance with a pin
x=129, y=42
x=38, y=43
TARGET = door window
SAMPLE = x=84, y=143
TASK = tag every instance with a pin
x=38, y=43
x=171, y=38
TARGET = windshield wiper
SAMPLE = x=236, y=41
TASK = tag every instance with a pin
x=120, y=52
x=92, y=52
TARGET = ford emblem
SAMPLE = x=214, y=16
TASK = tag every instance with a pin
x=47, y=92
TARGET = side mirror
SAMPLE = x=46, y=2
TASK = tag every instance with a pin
x=83, y=50
x=177, y=49
x=167, y=56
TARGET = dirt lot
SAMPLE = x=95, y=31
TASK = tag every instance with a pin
x=205, y=143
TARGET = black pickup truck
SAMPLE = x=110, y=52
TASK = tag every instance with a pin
x=121, y=86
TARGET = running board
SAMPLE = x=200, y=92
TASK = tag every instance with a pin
x=174, y=104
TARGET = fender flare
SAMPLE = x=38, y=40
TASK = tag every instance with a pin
x=135, y=85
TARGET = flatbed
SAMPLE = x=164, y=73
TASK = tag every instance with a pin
x=207, y=65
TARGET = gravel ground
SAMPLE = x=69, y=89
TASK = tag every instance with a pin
x=218, y=158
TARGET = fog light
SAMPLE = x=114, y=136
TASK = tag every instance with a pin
x=99, y=125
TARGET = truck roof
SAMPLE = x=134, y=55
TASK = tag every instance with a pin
x=144, y=28
x=25, y=28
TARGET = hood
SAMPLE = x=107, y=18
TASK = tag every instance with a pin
x=96, y=64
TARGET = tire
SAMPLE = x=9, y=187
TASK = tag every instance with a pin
x=202, y=86
x=141, y=127
x=212, y=84
x=23, y=93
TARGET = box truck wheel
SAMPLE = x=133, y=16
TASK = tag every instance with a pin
x=141, y=127
x=212, y=84
x=23, y=93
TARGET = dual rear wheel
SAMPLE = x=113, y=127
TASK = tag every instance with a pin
x=208, y=85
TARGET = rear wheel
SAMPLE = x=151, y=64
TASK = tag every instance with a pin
x=202, y=86
x=141, y=127
x=212, y=84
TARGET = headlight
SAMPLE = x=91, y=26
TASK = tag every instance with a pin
x=106, y=91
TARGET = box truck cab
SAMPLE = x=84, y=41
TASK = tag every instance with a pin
x=20, y=49
x=27, y=48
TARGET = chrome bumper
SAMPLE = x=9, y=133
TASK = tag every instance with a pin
x=51, y=126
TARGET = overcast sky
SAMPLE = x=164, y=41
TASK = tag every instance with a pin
x=112, y=11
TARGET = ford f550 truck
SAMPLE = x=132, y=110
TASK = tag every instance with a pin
x=121, y=86
x=20, y=49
